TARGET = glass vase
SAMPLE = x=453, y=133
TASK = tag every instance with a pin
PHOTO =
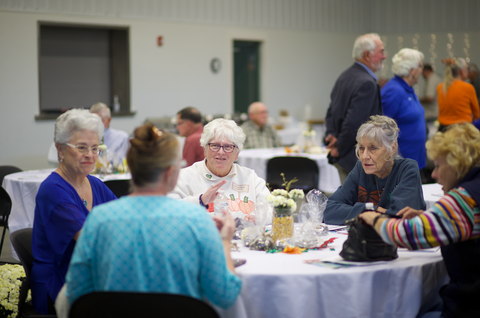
x=282, y=223
x=308, y=143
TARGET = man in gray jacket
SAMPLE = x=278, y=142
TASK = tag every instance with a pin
x=354, y=98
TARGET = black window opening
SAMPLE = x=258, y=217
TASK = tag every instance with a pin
x=81, y=65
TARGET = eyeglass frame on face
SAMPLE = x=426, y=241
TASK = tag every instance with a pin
x=86, y=149
x=210, y=145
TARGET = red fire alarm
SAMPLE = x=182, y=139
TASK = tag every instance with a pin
x=160, y=40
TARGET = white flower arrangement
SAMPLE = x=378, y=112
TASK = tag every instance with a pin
x=11, y=277
x=280, y=198
x=309, y=133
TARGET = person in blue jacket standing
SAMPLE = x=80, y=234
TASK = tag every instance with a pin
x=400, y=102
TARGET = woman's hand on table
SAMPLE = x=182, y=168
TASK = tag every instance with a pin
x=225, y=225
x=369, y=217
x=380, y=209
x=209, y=195
x=408, y=213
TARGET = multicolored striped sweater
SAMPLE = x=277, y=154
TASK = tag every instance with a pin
x=454, y=218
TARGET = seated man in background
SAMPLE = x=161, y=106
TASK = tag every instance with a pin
x=189, y=125
x=117, y=141
x=259, y=133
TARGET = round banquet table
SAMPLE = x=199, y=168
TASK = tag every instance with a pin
x=23, y=187
x=282, y=285
x=257, y=159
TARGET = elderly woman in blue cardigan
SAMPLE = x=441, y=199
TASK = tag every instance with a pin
x=381, y=176
x=400, y=102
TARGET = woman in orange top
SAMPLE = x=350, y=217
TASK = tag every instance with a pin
x=457, y=100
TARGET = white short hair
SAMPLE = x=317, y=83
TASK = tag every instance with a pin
x=101, y=109
x=364, y=43
x=405, y=60
x=223, y=129
x=75, y=120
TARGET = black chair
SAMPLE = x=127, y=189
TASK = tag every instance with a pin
x=22, y=242
x=4, y=170
x=137, y=304
x=5, y=208
x=119, y=187
x=304, y=169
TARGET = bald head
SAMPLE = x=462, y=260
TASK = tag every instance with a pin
x=258, y=113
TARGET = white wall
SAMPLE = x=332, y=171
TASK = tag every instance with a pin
x=298, y=68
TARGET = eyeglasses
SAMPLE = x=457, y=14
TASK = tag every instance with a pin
x=84, y=149
x=181, y=122
x=226, y=148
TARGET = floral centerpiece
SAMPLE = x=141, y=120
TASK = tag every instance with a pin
x=11, y=277
x=102, y=162
x=284, y=204
x=308, y=139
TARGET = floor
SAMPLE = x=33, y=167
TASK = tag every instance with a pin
x=6, y=256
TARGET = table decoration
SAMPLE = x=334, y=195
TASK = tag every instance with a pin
x=308, y=139
x=11, y=277
x=284, y=204
x=316, y=202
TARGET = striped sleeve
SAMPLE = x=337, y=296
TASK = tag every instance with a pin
x=455, y=218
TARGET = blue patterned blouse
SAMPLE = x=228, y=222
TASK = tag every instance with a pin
x=154, y=244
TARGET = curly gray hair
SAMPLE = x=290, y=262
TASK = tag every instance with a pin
x=405, y=60
x=223, y=129
x=75, y=120
x=380, y=129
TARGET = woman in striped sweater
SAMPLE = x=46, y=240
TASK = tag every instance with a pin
x=452, y=223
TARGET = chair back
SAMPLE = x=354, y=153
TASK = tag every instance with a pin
x=5, y=207
x=22, y=243
x=304, y=169
x=4, y=170
x=119, y=187
x=138, y=304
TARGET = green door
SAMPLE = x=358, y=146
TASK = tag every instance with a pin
x=246, y=77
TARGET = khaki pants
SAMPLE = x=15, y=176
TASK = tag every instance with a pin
x=341, y=172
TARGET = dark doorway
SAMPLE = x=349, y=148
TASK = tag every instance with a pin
x=246, y=77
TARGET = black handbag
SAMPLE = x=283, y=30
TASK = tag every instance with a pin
x=365, y=245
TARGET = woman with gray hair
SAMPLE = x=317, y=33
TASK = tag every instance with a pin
x=381, y=176
x=63, y=202
x=222, y=140
x=400, y=102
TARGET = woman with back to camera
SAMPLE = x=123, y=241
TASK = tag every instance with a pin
x=380, y=176
x=148, y=242
x=222, y=140
x=457, y=100
x=400, y=102
x=63, y=202
x=452, y=223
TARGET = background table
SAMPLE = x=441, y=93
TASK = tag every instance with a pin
x=282, y=285
x=23, y=187
x=257, y=159
x=432, y=192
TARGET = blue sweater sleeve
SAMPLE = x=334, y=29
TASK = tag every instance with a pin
x=343, y=205
x=407, y=190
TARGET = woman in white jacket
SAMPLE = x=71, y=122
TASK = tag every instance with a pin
x=222, y=140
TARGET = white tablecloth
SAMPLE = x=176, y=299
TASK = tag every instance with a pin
x=23, y=187
x=282, y=285
x=257, y=159
x=432, y=193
